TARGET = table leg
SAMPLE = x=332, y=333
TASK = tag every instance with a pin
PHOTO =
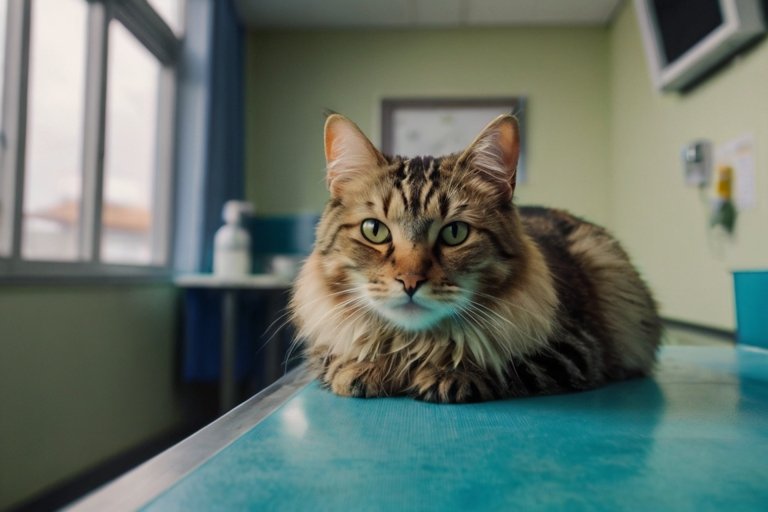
x=227, y=399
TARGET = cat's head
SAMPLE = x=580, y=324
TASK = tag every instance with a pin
x=419, y=241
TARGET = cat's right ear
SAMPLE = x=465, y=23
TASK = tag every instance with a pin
x=348, y=153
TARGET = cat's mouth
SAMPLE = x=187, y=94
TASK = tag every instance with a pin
x=412, y=308
x=411, y=315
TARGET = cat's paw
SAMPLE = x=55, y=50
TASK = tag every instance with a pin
x=359, y=379
x=453, y=386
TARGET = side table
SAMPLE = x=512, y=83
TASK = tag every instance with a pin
x=230, y=287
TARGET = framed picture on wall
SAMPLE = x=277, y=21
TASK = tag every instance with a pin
x=440, y=126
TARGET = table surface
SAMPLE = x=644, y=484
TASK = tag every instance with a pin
x=695, y=437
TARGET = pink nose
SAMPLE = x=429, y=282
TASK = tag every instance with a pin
x=411, y=282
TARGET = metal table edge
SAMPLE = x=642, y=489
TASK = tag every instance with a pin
x=149, y=480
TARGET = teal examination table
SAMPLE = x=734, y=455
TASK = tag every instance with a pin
x=693, y=437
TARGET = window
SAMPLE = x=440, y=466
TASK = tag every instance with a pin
x=3, y=13
x=170, y=11
x=129, y=159
x=87, y=130
x=54, y=141
x=5, y=214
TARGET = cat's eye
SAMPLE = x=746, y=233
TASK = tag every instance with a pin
x=454, y=233
x=375, y=231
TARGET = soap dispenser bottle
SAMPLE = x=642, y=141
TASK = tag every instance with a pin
x=232, y=244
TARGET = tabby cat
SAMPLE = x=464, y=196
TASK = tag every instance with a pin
x=427, y=281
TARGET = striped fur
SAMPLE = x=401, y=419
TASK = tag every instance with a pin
x=534, y=301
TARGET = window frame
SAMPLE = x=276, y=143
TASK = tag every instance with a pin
x=141, y=20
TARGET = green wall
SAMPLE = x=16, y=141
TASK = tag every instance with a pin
x=294, y=75
x=86, y=372
x=602, y=142
x=662, y=222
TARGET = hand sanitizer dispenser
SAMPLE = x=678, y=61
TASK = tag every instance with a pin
x=232, y=243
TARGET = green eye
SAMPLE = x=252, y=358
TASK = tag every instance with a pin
x=454, y=233
x=375, y=231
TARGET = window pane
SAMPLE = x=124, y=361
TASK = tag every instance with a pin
x=3, y=193
x=131, y=147
x=52, y=187
x=3, y=14
x=170, y=11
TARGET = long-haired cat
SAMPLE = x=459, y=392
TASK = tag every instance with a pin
x=426, y=280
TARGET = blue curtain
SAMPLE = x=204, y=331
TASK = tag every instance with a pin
x=210, y=167
x=226, y=159
x=210, y=144
x=210, y=164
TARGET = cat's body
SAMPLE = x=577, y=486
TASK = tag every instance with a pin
x=426, y=281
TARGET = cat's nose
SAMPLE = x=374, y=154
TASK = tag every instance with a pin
x=411, y=282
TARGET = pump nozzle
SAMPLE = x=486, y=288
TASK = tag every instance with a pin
x=234, y=210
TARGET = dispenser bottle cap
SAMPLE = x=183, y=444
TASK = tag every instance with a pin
x=234, y=210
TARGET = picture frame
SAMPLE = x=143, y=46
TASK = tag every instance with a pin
x=441, y=126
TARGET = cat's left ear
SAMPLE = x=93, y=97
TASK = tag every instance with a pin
x=348, y=153
x=493, y=156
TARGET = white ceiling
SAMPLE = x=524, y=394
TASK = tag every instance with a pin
x=423, y=13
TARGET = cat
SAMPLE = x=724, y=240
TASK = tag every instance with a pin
x=427, y=281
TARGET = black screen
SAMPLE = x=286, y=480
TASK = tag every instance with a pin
x=683, y=23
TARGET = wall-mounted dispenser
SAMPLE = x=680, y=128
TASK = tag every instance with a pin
x=697, y=163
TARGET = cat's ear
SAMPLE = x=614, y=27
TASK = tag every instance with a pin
x=348, y=153
x=492, y=157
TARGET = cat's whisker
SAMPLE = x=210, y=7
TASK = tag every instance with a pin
x=354, y=309
x=468, y=312
x=287, y=312
x=286, y=318
x=342, y=304
x=359, y=309
x=489, y=323
x=504, y=302
x=326, y=296
x=354, y=304
x=489, y=314
x=329, y=316
x=493, y=325
x=482, y=348
x=508, y=323
x=335, y=315
x=352, y=321
x=491, y=317
x=522, y=331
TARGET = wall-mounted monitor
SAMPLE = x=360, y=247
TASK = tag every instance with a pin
x=686, y=38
